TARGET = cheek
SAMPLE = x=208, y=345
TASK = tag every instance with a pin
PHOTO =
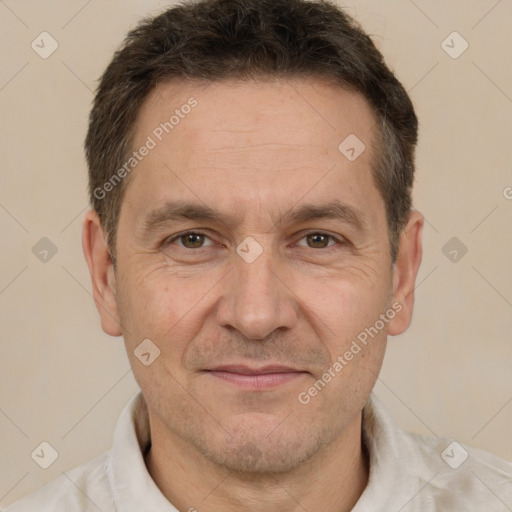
x=155, y=306
x=346, y=313
x=156, y=303
x=347, y=317
x=343, y=305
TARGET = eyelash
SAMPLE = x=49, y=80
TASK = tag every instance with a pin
x=169, y=241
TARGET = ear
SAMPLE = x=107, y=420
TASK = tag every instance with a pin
x=405, y=272
x=102, y=273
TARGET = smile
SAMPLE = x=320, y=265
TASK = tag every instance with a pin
x=265, y=378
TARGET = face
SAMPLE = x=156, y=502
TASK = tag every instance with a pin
x=255, y=256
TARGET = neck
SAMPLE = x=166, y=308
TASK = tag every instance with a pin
x=332, y=480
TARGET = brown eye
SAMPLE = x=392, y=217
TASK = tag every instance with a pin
x=192, y=240
x=318, y=240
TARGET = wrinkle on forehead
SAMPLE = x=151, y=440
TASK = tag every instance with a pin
x=258, y=149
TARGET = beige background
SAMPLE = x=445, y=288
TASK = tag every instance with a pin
x=63, y=381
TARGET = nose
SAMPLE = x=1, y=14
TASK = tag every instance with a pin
x=256, y=299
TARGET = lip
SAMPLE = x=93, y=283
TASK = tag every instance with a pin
x=248, y=370
x=256, y=379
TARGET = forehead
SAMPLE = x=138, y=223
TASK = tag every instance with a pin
x=269, y=142
x=258, y=107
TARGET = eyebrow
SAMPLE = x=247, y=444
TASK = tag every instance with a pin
x=179, y=210
x=335, y=210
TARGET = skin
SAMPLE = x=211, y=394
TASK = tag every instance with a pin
x=254, y=152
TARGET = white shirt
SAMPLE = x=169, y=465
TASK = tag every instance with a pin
x=407, y=473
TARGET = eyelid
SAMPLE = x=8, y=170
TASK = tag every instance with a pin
x=173, y=238
x=337, y=238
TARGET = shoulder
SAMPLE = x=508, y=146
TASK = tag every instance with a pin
x=461, y=477
x=419, y=473
x=84, y=488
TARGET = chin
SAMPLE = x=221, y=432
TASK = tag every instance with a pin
x=255, y=449
x=253, y=459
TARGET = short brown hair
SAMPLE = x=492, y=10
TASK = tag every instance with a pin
x=213, y=40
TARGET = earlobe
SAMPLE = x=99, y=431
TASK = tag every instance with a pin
x=405, y=272
x=102, y=273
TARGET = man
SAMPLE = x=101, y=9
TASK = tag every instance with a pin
x=252, y=240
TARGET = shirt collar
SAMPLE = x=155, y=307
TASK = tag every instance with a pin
x=132, y=486
x=134, y=489
x=391, y=477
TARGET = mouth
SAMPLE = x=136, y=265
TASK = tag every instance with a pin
x=256, y=379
